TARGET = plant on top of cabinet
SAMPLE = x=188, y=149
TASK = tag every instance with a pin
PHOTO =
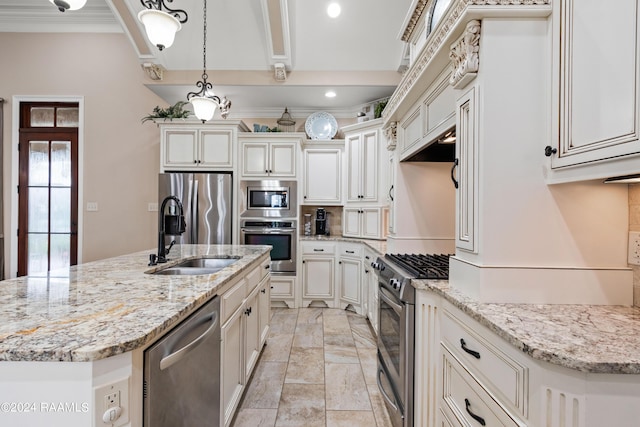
x=174, y=111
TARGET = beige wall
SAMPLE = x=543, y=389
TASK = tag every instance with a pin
x=121, y=155
x=634, y=225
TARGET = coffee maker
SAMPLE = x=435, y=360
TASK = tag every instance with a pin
x=321, y=221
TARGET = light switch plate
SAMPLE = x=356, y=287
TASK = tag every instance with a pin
x=634, y=248
x=92, y=206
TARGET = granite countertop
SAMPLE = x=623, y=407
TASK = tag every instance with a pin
x=586, y=338
x=103, y=308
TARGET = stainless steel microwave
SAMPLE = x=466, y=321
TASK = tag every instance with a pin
x=268, y=199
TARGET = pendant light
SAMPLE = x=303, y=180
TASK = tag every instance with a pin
x=204, y=102
x=63, y=5
x=161, y=27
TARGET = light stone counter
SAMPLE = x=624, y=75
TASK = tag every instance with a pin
x=104, y=308
x=587, y=338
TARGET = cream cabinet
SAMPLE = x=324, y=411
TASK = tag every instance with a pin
x=190, y=146
x=350, y=276
x=245, y=314
x=466, y=172
x=273, y=155
x=283, y=290
x=318, y=272
x=596, y=111
x=322, y=173
x=370, y=288
x=362, y=165
x=363, y=222
x=427, y=363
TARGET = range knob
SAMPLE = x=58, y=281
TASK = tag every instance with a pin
x=395, y=284
x=376, y=265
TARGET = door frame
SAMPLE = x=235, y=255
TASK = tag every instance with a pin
x=12, y=269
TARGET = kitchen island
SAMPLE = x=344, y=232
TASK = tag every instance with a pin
x=65, y=334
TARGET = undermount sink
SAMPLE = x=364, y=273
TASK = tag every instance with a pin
x=197, y=266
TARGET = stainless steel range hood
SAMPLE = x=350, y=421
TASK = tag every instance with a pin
x=441, y=149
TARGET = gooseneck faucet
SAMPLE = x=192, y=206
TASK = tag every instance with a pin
x=177, y=227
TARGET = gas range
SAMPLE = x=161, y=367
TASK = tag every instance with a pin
x=422, y=266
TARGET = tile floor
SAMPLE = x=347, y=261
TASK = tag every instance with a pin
x=318, y=369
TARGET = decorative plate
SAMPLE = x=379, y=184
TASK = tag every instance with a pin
x=321, y=125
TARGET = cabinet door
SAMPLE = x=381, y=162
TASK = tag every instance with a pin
x=350, y=277
x=353, y=147
x=322, y=176
x=318, y=277
x=467, y=157
x=232, y=369
x=351, y=223
x=255, y=157
x=370, y=223
x=180, y=147
x=427, y=344
x=251, y=315
x=369, y=175
x=283, y=287
x=598, y=106
x=216, y=149
x=264, y=309
x=282, y=159
x=391, y=192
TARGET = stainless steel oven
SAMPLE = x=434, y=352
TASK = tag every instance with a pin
x=268, y=198
x=280, y=234
x=396, y=336
x=396, y=319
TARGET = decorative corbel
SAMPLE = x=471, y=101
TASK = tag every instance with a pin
x=154, y=71
x=390, y=134
x=465, y=55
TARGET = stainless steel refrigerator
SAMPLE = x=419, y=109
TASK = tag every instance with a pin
x=206, y=201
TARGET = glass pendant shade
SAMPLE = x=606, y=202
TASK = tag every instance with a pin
x=160, y=26
x=203, y=107
x=68, y=4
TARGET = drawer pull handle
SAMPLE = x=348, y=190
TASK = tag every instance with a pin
x=474, y=416
x=471, y=352
x=350, y=252
x=318, y=250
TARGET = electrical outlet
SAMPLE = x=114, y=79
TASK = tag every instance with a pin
x=634, y=248
x=112, y=399
x=111, y=404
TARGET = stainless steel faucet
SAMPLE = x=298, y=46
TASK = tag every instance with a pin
x=177, y=226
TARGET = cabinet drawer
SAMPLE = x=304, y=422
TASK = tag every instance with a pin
x=469, y=401
x=232, y=299
x=351, y=250
x=485, y=361
x=255, y=276
x=318, y=248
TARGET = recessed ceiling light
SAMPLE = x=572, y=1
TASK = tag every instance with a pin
x=333, y=10
x=330, y=94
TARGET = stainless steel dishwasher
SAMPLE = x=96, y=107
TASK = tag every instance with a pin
x=182, y=373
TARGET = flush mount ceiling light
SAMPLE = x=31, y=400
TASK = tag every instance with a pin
x=204, y=101
x=330, y=94
x=63, y=5
x=161, y=26
x=333, y=10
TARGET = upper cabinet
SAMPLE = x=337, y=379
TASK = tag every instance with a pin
x=269, y=155
x=322, y=172
x=596, y=114
x=196, y=146
x=364, y=172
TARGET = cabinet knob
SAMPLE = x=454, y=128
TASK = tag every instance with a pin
x=195, y=161
x=264, y=291
x=548, y=151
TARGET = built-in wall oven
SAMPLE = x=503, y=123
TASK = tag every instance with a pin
x=280, y=234
x=396, y=335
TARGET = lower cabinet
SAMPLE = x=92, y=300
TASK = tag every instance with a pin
x=318, y=273
x=350, y=276
x=370, y=289
x=283, y=291
x=245, y=313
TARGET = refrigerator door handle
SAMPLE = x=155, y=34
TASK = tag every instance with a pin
x=193, y=202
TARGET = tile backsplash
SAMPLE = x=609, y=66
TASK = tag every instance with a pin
x=634, y=225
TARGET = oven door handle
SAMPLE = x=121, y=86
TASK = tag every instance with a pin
x=268, y=230
x=384, y=295
x=386, y=397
